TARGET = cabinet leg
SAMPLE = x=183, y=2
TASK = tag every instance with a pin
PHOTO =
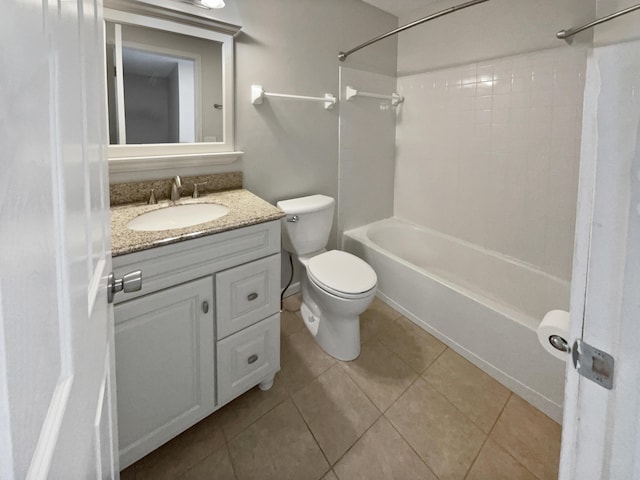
x=266, y=384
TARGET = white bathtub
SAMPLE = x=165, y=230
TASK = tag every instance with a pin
x=484, y=305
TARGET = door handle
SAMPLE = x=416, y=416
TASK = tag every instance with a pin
x=131, y=282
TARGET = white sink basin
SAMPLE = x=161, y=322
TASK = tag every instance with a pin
x=177, y=216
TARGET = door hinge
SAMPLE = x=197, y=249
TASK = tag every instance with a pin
x=593, y=364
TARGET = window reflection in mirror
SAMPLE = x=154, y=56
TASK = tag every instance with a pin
x=167, y=89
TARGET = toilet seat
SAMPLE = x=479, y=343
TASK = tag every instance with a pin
x=341, y=274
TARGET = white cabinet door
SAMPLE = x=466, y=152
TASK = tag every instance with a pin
x=165, y=368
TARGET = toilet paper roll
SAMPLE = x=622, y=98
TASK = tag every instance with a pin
x=555, y=322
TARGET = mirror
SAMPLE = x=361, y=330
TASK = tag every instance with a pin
x=169, y=87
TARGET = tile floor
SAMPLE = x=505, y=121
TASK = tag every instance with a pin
x=407, y=408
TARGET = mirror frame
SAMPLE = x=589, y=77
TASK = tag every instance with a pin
x=139, y=157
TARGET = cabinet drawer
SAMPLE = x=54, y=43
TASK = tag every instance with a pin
x=248, y=357
x=169, y=265
x=247, y=294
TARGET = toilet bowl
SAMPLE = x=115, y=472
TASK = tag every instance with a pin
x=336, y=286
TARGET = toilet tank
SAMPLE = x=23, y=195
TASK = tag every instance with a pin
x=307, y=224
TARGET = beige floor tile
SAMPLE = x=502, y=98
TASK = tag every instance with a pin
x=374, y=318
x=443, y=437
x=279, y=446
x=183, y=452
x=384, y=309
x=292, y=302
x=301, y=360
x=336, y=411
x=216, y=466
x=128, y=473
x=530, y=437
x=380, y=373
x=290, y=319
x=382, y=454
x=250, y=406
x=494, y=463
x=290, y=323
x=330, y=476
x=472, y=391
x=411, y=343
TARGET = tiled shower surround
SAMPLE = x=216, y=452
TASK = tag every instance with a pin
x=489, y=153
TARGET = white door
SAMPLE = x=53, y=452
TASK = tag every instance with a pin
x=601, y=428
x=56, y=365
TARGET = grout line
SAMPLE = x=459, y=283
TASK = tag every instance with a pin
x=434, y=360
x=357, y=440
x=487, y=437
x=411, y=446
x=230, y=439
x=401, y=360
x=312, y=436
x=233, y=467
x=464, y=414
x=502, y=446
x=339, y=364
x=511, y=394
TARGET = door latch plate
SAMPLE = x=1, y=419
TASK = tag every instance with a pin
x=593, y=364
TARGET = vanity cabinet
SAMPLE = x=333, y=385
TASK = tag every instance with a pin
x=204, y=329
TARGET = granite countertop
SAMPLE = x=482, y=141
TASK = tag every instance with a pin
x=245, y=209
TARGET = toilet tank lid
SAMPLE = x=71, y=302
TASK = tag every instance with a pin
x=311, y=203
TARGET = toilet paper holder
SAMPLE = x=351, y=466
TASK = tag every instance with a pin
x=559, y=343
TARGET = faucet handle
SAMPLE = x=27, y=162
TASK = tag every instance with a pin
x=152, y=197
x=196, y=192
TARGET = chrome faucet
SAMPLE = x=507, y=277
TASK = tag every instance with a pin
x=176, y=183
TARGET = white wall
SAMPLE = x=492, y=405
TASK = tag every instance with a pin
x=291, y=148
x=488, y=139
x=497, y=28
x=622, y=29
x=367, y=150
x=489, y=152
x=291, y=46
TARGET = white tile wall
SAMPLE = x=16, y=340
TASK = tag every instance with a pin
x=489, y=152
x=367, y=145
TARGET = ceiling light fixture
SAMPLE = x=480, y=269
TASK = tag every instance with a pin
x=209, y=3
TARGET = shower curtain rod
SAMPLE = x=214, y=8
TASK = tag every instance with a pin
x=570, y=32
x=343, y=55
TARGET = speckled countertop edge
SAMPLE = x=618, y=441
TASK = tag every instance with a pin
x=245, y=209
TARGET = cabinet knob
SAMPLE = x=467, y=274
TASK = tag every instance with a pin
x=205, y=306
x=252, y=358
x=252, y=296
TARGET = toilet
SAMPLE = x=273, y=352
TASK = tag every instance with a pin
x=336, y=286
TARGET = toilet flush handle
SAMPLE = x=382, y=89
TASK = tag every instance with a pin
x=292, y=219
